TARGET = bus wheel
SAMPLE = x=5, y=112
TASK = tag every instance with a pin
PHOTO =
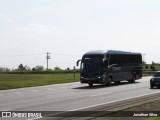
x=117, y=82
x=133, y=79
x=90, y=84
x=109, y=81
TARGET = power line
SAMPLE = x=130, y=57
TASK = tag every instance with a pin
x=24, y=55
x=65, y=54
x=63, y=63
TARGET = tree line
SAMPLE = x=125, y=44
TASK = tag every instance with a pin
x=22, y=67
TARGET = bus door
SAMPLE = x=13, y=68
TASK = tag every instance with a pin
x=115, y=71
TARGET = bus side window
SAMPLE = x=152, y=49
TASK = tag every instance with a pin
x=82, y=66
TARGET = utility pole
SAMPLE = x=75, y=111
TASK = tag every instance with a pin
x=144, y=57
x=74, y=70
x=47, y=57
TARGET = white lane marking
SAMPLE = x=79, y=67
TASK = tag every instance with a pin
x=112, y=101
x=34, y=90
x=34, y=118
x=17, y=92
x=6, y=109
x=64, y=87
x=101, y=94
x=49, y=89
x=58, y=94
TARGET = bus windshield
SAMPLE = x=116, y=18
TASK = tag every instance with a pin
x=92, y=64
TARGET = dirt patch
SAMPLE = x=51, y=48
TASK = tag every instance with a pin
x=144, y=109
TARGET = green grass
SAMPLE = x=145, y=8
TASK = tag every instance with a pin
x=12, y=81
x=153, y=118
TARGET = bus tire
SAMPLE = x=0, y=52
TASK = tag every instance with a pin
x=151, y=86
x=133, y=79
x=90, y=84
x=109, y=81
x=117, y=82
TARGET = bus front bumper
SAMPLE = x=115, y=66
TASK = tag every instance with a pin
x=91, y=80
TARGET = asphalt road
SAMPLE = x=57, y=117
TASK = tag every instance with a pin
x=71, y=96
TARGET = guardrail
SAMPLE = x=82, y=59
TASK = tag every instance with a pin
x=148, y=72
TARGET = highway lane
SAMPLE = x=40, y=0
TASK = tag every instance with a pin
x=70, y=96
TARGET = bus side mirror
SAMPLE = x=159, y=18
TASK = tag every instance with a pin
x=78, y=62
x=105, y=62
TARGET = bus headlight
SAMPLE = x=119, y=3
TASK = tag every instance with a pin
x=99, y=77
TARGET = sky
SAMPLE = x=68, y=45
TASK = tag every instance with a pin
x=69, y=28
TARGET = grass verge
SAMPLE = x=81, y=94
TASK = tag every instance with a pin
x=153, y=118
x=12, y=81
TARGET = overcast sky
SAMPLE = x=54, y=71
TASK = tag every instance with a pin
x=69, y=28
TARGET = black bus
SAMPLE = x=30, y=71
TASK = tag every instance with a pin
x=104, y=67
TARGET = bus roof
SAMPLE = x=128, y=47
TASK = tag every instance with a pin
x=102, y=52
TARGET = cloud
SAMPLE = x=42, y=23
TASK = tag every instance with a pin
x=10, y=21
x=36, y=28
x=6, y=18
x=53, y=27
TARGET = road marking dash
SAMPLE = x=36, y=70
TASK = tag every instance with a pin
x=100, y=94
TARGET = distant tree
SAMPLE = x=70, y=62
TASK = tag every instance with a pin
x=68, y=68
x=3, y=69
x=146, y=66
x=33, y=69
x=27, y=68
x=21, y=67
x=57, y=68
x=152, y=68
x=7, y=69
x=39, y=68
